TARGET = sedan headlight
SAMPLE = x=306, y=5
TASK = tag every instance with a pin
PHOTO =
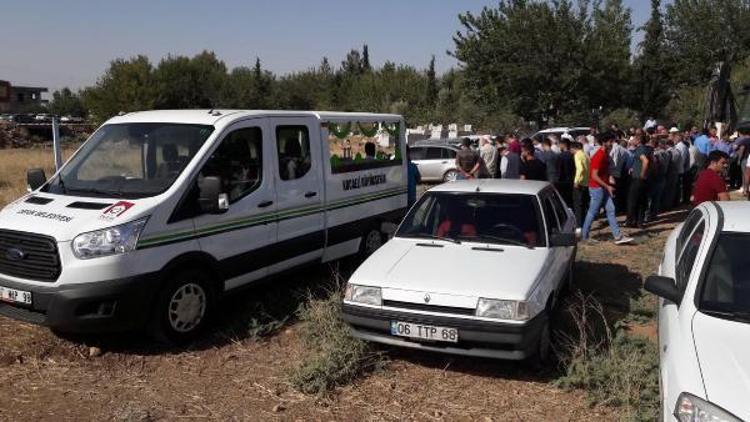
x=690, y=408
x=110, y=241
x=363, y=294
x=503, y=309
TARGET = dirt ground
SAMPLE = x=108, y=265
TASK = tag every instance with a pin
x=234, y=375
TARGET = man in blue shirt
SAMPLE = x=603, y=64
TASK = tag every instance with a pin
x=703, y=142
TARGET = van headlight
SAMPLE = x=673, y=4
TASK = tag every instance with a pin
x=110, y=241
x=363, y=294
x=690, y=408
x=503, y=309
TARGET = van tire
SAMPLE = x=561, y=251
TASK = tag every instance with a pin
x=184, y=307
x=372, y=240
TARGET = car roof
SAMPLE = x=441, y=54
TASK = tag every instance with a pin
x=212, y=117
x=429, y=145
x=562, y=129
x=511, y=186
x=735, y=215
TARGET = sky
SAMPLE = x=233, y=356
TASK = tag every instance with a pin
x=55, y=43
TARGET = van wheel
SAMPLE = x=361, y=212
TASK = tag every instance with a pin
x=183, y=307
x=450, y=176
x=371, y=242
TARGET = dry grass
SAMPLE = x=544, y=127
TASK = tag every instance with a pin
x=13, y=166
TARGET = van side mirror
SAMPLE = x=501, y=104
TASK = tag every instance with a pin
x=663, y=287
x=35, y=178
x=210, y=198
x=558, y=239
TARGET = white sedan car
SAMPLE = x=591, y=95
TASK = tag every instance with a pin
x=704, y=316
x=474, y=269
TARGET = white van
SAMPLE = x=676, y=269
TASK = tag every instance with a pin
x=160, y=213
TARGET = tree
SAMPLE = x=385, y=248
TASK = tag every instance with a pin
x=352, y=66
x=67, y=103
x=701, y=33
x=432, y=88
x=366, y=59
x=651, y=66
x=526, y=55
x=127, y=85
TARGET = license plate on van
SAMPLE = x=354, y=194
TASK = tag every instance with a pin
x=424, y=332
x=15, y=296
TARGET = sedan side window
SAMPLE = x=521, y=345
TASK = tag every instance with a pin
x=417, y=153
x=687, y=259
x=562, y=215
x=449, y=153
x=434, y=153
x=687, y=228
x=549, y=215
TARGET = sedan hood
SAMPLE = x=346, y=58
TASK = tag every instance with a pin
x=467, y=269
x=64, y=217
x=722, y=348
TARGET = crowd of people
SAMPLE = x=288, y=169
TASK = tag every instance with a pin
x=641, y=172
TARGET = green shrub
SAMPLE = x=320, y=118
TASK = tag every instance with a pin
x=333, y=357
x=615, y=369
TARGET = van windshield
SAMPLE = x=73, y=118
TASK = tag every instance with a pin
x=509, y=219
x=133, y=160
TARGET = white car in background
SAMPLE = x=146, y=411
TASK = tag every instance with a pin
x=572, y=132
x=474, y=269
x=704, y=316
x=436, y=163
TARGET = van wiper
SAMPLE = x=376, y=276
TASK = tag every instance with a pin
x=505, y=240
x=116, y=194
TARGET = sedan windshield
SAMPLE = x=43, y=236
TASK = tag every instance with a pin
x=475, y=217
x=133, y=160
x=726, y=289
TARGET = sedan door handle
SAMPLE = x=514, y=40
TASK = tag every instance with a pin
x=265, y=204
x=444, y=162
x=310, y=194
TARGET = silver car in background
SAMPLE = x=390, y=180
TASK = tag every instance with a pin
x=436, y=163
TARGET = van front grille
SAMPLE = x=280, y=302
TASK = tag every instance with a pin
x=29, y=256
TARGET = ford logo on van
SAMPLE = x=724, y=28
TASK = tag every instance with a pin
x=15, y=254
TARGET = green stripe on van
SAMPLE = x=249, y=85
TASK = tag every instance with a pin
x=240, y=223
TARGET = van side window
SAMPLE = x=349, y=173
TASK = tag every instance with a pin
x=293, y=148
x=687, y=259
x=357, y=146
x=238, y=161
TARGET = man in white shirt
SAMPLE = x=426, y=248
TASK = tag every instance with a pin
x=488, y=152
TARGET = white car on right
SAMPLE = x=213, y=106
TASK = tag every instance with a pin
x=704, y=315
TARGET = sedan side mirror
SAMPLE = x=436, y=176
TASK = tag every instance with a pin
x=663, y=287
x=558, y=239
x=35, y=178
x=210, y=198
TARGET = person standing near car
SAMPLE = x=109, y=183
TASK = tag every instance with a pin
x=567, y=172
x=413, y=179
x=710, y=184
x=467, y=161
x=489, y=155
x=531, y=167
x=580, y=183
x=551, y=161
x=618, y=159
x=601, y=191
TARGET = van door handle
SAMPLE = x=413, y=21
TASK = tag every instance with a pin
x=310, y=194
x=265, y=204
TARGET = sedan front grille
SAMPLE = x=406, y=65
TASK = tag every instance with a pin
x=28, y=255
x=429, y=308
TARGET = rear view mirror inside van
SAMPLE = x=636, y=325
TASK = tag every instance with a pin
x=211, y=199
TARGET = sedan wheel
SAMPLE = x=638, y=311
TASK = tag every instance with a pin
x=450, y=176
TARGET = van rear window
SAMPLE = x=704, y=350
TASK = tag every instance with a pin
x=355, y=146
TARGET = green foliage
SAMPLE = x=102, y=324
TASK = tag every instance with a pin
x=623, y=118
x=66, y=103
x=703, y=32
x=653, y=72
x=546, y=59
x=618, y=370
x=333, y=356
x=128, y=85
